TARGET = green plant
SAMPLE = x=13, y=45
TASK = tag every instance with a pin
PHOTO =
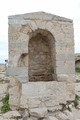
x=41, y=118
x=77, y=70
x=77, y=99
x=5, y=102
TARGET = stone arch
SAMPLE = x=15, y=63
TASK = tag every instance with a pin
x=41, y=56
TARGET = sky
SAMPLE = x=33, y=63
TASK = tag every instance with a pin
x=65, y=8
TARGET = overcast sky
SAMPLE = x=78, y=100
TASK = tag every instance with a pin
x=65, y=8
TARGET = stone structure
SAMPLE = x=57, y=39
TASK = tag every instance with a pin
x=77, y=60
x=41, y=60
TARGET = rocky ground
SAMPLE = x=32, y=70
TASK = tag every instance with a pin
x=58, y=115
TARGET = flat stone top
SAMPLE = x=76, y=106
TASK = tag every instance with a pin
x=39, y=16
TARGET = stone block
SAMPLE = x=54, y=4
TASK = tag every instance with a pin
x=62, y=116
x=77, y=87
x=38, y=112
x=61, y=92
x=15, y=93
x=70, y=78
x=62, y=49
x=35, y=102
x=4, y=88
x=14, y=81
x=17, y=71
x=11, y=114
x=2, y=68
x=62, y=77
x=14, y=99
x=52, y=118
x=65, y=70
x=65, y=57
x=41, y=93
x=24, y=102
x=55, y=108
x=70, y=93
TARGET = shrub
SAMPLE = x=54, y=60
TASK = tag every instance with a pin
x=77, y=70
x=5, y=102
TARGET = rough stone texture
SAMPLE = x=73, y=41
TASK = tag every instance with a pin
x=69, y=114
x=43, y=94
x=52, y=118
x=15, y=93
x=41, y=59
x=55, y=108
x=12, y=114
x=77, y=88
x=2, y=68
x=38, y=112
x=62, y=116
x=3, y=90
x=53, y=33
x=43, y=89
x=77, y=77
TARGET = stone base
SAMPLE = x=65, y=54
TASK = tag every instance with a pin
x=39, y=94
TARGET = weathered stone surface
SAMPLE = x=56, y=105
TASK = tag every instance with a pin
x=32, y=118
x=38, y=42
x=38, y=112
x=69, y=114
x=2, y=76
x=35, y=102
x=55, y=108
x=14, y=92
x=62, y=116
x=40, y=15
x=43, y=94
x=77, y=87
x=78, y=106
x=17, y=71
x=52, y=118
x=3, y=90
x=2, y=68
x=11, y=114
x=23, y=102
x=1, y=118
x=77, y=75
x=26, y=114
x=70, y=94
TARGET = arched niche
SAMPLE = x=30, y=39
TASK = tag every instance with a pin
x=41, y=56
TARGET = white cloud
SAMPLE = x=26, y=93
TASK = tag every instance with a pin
x=65, y=8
